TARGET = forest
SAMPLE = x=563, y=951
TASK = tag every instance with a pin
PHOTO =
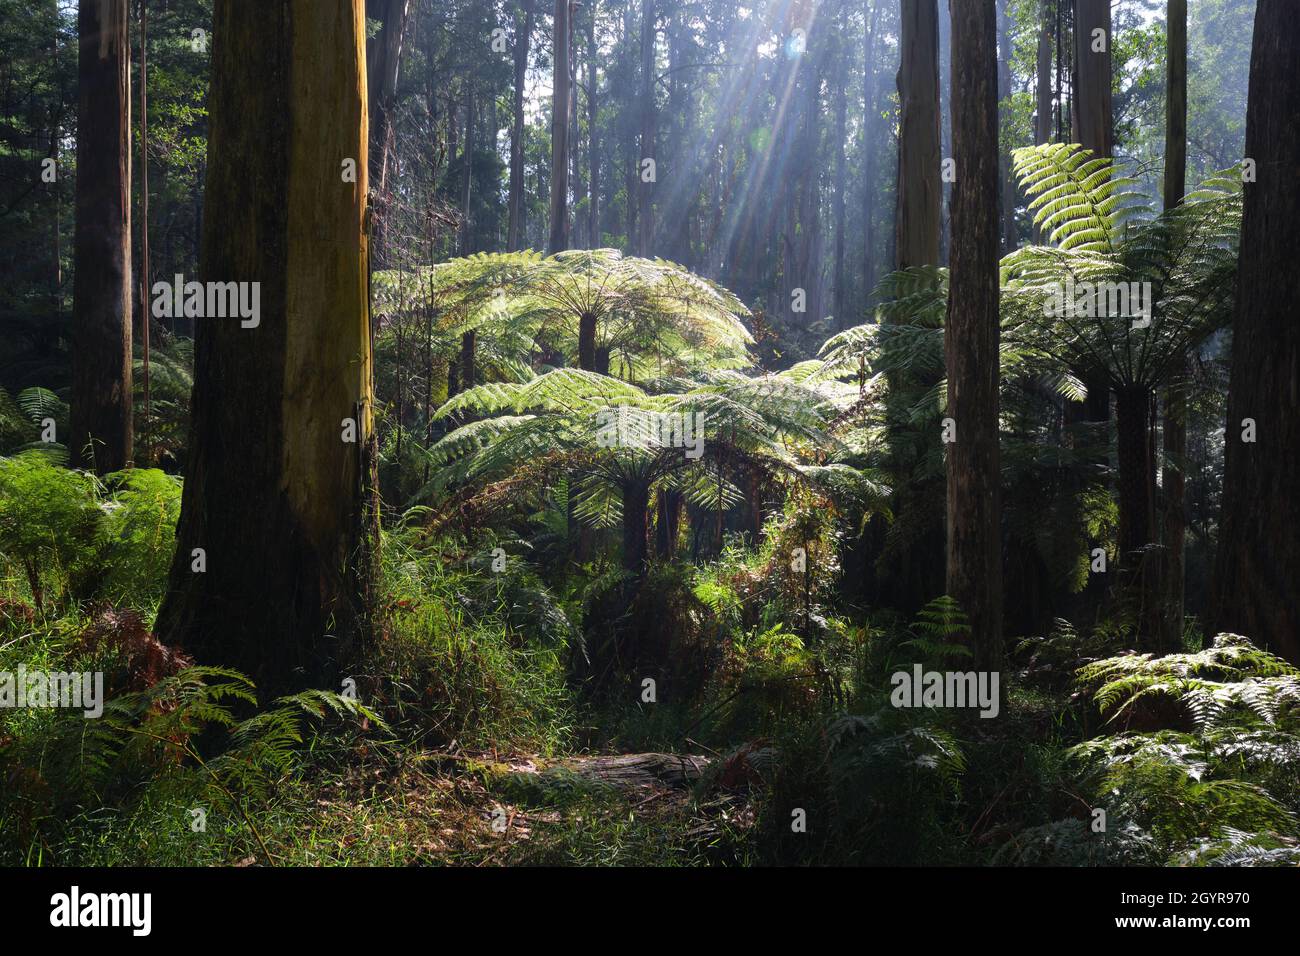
x=649, y=433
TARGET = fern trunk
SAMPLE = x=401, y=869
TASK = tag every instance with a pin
x=636, y=507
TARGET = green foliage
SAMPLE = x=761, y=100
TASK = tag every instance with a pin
x=48, y=519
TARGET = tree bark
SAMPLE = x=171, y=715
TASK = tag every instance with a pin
x=974, y=577
x=1043, y=95
x=1175, y=397
x=839, y=293
x=919, y=186
x=649, y=118
x=1259, y=542
x=383, y=62
x=1009, y=236
x=282, y=506
x=593, y=137
x=870, y=144
x=523, y=36
x=559, y=238
x=1091, y=118
x=101, y=422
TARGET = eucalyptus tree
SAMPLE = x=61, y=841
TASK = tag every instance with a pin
x=1259, y=547
x=101, y=327
x=274, y=570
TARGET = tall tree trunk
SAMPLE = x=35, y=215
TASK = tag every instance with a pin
x=870, y=145
x=383, y=62
x=1259, y=541
x=274, y=567
x=523, y=36
x=101, y=328
x=1175, y=398
x=649, y=118
x=971, y=334
x=839, y=292
x=919, y=185
x=1009, y=237
x=1091, y=118
x=1093, y=126
x=1043, y=113
x=559, y=238
x=144, y=283
x=593, y=136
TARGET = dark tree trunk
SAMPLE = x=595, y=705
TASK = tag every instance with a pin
x=1259, y=542
x=280, y=503
x=919, y=185
x=1091, y=118
x=559, y=238
x=636, y=506
x=1043, y=95
x=1093, y=126
x=1175, y=398
x=515, y=227
x=101, y=329
x=971, y=335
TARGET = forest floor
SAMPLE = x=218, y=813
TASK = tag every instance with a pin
x=431, y=808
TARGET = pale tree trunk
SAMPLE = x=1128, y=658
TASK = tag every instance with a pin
x=870, y=123
x=1043, y=90
x=523, y=35
x=841, y=146
x=278, y=505
x=649, y=119
x=559, y=238
x=919, y=185
x=1175, y=398
x=974, y=577
x=1009, y=237
x=593, y=136
x=383, y=62
x=101, y=435
x=1259, y=541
